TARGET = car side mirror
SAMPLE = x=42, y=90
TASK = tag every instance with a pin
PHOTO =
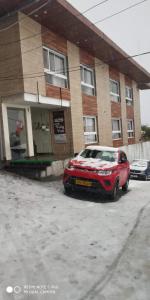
x=123, y=160
x=75, y=154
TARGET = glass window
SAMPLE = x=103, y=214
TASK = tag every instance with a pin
x=130, y=128
x=46, y=60
x=115, y=90
x=129, y=95
x=100, y=154
x=17, y=132
x=116, y=129
x=90, y=130
x=87, y=81
x=55, y=68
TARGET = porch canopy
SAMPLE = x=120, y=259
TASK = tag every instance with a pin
x=60, y=17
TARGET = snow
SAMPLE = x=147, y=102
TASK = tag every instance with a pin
x=83, y=244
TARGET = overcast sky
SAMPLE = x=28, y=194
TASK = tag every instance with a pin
x=130, y=30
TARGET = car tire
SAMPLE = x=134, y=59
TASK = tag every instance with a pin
x=146, y=178
x=114, y=196
x=126, y=186
x=67, y=190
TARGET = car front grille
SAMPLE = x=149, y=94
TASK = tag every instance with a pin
x=95, y=184
x=135, y=172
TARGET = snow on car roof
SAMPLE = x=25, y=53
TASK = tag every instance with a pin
x=103, y=148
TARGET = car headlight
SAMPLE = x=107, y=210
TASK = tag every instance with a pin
x=70, y=167
x=105, y=172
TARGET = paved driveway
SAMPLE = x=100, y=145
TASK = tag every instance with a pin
x=73, y=248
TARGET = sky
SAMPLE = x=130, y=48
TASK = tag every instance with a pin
x=130, y=30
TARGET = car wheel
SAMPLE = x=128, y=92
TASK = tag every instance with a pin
x=115, y=195
x=146, y=178
x=67, y=190
x=125, y=186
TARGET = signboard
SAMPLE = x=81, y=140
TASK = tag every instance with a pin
x=59, y=127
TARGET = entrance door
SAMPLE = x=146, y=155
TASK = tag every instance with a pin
x=41, y=131
x=17, y=132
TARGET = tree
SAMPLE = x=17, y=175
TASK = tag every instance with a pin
x=145, y=132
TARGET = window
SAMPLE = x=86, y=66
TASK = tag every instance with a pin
x=100, y=154
x=116, y=129
x=123, y=157
x=55, y=67
x=90, y=130
x=130, y=128
x=129, y=95
x=115, y=90
x=87, y=81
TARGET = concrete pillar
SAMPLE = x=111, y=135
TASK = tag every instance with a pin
x=103, y=103
x=29, y=132
x=32, y=61
x=76, y=97
x=1, y=136
x=137, y=113
x=6, y=132
x=123, y=110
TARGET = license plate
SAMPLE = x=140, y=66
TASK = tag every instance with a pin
x=134, y=176
x=83, y=182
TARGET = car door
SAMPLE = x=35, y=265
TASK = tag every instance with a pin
x=123, y=168
x=148, y=170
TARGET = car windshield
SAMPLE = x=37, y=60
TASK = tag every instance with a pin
x=140, y=163
x=99, y=154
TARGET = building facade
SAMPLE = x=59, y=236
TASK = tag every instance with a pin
x=64, y=84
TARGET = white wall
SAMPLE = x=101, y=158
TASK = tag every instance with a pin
x=140, y=150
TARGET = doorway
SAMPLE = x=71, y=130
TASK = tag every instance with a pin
x=41, y=131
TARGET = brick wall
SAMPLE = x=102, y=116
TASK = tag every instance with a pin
x=118, y=143
x=54, y=92
x=114, y=74
x=89, y=105
x=128, y=81
x=54, y=41
x=116, y=109
x=130, y=112
x=86, y=58
x=131, y=141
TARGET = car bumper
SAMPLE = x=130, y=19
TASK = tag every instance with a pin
x=88, y=182
x=137, y=176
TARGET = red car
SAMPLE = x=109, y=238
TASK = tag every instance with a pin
x=98, y=169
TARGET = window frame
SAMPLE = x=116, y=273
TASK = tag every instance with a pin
x=129, y=101
x=83, y=83
x=130, y=130
x=117, y=131
x=87, y=133
x=53, y=73
x=118, y=96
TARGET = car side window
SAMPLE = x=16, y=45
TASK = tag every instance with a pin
x=123, y=157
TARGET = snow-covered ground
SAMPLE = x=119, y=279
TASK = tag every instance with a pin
x=72, y=248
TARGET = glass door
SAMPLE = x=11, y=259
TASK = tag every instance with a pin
x=17, y=133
